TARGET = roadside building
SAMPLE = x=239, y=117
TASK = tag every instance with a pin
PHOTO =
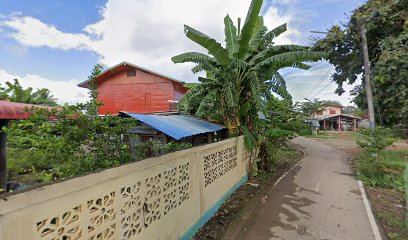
x=331, y=109
x=173, y=127
x=338, y=122
x=131, y=88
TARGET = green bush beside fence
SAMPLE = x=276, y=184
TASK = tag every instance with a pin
x=406, y=195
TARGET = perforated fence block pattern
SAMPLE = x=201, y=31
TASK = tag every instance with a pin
x=158, y=198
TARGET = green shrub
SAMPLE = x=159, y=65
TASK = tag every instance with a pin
x=400, y=131
x=406, y=194
x=374, y=140
x=74, y=144
x=386, y=171
x=277, y=137
x=275, y=147
x=305, y=130
x=154, y=148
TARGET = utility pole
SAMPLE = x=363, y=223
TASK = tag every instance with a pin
x=3, y=140
x=368, y=84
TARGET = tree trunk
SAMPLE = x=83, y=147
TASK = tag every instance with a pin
x=3, y=146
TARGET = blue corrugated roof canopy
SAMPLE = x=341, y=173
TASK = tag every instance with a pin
x=176, y=126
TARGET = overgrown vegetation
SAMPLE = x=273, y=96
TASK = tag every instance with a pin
x=374, y=140
x=240, y=76
x=72, y=140
x=377, y=167
x=386, y=170
x=382, y=171
x=152, y=148
x=387, y=36
x=406, y=195
x=65, y=142
x=70, y=145
x=94, y=103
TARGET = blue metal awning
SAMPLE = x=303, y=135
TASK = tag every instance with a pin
x=176, y=126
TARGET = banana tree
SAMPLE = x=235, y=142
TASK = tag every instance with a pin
x=241, y=74
x=16, y=93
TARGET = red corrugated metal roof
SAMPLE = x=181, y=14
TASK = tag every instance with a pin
x=13, y=110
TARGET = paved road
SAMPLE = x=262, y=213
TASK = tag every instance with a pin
x=319, y=199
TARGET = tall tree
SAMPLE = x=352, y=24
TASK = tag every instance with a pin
x=94, y=103
x=240, y=75
x=310, y=107
x=387, y=36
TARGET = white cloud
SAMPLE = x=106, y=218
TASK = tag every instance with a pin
x=273, y=19
x=34, y=33
x=64, y=91
x=149, y=33
x=284, y=2
x=145, y=32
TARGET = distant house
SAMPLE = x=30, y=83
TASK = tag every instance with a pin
x=332, y=109
x=332, y=119
x=338, y=122
x=131, y=88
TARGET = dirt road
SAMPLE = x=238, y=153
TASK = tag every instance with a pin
x=318, y=199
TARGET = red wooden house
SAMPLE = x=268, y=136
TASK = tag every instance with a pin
x=127, y=87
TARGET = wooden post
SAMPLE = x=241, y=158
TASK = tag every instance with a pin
x=339, y=124
x=3, y=146
x=324, y=124
x=355, y=125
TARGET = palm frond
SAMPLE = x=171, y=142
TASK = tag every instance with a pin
x=194, y=57
x=248, y=28
x=202, y=67
x=257, y=38
x=207, y=104
x=278, y=86
x=213, y=47
x=259, y=24
x=274, y=50
x=268, y=38
x=231, y=37
x=302, y=66
x=290, y=59
x=255, y=88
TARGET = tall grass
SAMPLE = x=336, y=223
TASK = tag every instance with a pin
x=406, y=195
x=386, y=170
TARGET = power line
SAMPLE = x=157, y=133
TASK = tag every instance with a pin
x=305, y=82
x=319, y=91
x=317, y=84
x=311, y=69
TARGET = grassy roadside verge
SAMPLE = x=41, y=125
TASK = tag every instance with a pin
x=322, y=135
x=284, y=159
x=384, y=181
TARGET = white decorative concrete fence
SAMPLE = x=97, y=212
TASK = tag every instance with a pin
x=166, y=197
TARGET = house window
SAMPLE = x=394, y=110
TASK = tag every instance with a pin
x=131, y=72
x=173, y=105
x=332, y=111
